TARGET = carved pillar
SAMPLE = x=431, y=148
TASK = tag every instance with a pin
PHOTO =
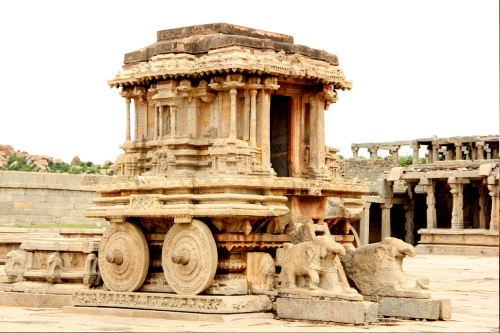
x=409, y=223
x=294, y=135
x=253, y=117
x=157, y=110
x=466, y=152
x=394, y=152
x=458, y=151
x=246, y=116
x=494, y=203
x=364, y=230
x=457, y=188
x=435, y=153
x=386, y=220
x=317, y=139
x=373, y=152
x=264, y=125
x=430, y=154
x=232, y=116
x=487, y=149
x=192, y=119
x=127, y=109
x=483, y=204
x=220, y=105
x=429, y=185
x=173, y=120
x=160, y=116
x=354, y=152
x=415, y=147
x=480, y=150
x=410, y=214
x=136, y=118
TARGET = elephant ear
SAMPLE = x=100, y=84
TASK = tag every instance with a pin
x=381, y=251
x=310, y=253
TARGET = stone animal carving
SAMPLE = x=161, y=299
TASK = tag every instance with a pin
x=54, y=268
x=377, y=269
x=309, y=261
x=264, y=270
x=15, y=265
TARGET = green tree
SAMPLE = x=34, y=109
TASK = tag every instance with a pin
x=405, y=160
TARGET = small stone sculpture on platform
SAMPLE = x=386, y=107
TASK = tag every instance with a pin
x=377, y=269
x=310, y=268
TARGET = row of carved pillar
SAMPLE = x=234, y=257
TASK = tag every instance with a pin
x=457, y=220
x=473, y=151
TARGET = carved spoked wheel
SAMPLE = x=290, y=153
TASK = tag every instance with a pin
x=123, y=257
x=189, y=257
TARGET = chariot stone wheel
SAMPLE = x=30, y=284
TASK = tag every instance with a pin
x=123, y=257
x=189, y=257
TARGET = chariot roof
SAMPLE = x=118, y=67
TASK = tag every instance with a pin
x=218, y=48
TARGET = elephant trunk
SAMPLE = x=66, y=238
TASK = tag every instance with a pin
x=409, y=251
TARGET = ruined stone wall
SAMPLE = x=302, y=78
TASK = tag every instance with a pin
x=365, y=170
x=48, y=199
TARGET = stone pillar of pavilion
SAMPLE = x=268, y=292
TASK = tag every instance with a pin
x=373, y=150
x=394, y=152
x=457, y=190
x=317, y=138
x=386, y=220
x=429, y=185
x=364, y=228
x=458, y=151
x=487, y=149
x=355, y=151
x=430, y=154
x=127, y=95
x=410, y=213
x=483, y=204
x=253, y=117
x=480, y=150
x=173, y=119
x=269, y=84
x=495, y=206
x=415, y=146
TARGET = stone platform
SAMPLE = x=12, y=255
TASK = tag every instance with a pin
x=470, y=282
x=174, y=302
x=474, y=242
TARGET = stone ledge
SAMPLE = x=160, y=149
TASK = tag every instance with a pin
x=169, y=315
x=481, y=251
x=34, y=300
x=431, y=309
x=349, y=312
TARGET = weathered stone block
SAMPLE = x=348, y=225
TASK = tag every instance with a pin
x=173, y=302
x=327, y=310
x=432, y=309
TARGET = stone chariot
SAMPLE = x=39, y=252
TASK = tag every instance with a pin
x=225, y=158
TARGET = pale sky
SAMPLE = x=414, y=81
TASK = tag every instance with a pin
x=419, y=68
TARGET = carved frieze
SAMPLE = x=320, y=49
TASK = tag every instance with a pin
x=166, y=302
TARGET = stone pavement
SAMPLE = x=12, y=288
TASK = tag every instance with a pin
x=471, y=283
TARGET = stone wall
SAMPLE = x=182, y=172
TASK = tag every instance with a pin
x=48, y=199
x=365, y=171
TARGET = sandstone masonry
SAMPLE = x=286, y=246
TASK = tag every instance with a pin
x=36, y=199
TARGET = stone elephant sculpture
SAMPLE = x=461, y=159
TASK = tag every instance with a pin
x=302, y=264
x=377, y=269
x=15, y=265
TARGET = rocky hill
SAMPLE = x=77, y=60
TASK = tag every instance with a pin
x=17, y=160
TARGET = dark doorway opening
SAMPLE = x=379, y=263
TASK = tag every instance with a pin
x=280, y=110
